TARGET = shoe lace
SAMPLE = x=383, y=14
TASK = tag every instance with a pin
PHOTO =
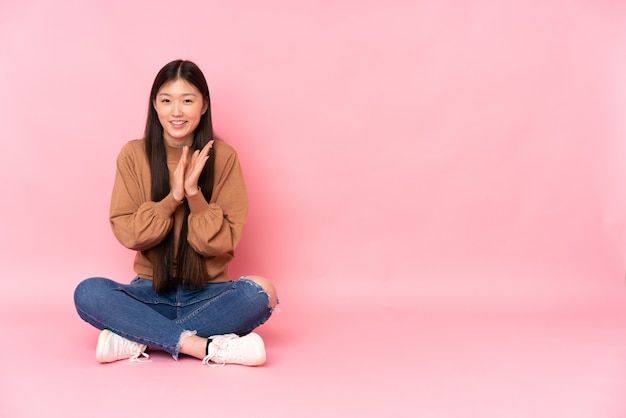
x=137, y=350
x=135, y=358
x=219, y=345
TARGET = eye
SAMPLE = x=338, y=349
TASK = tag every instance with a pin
x=165, y=100
x=188, y=101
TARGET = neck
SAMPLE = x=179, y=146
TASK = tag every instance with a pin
x=178, y=143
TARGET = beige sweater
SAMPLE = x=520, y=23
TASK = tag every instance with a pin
x=215, y=227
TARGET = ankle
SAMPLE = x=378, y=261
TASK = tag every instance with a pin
x=192, y=345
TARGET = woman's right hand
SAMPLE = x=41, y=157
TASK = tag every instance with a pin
x=178, y=179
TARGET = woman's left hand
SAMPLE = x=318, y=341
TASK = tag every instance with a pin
x=194, y=169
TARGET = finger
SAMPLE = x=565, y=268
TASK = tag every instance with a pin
x=184, y=157
x=193, y=174
x=180, y=167
x=207, y=148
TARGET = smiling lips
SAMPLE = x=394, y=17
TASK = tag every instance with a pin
x=178, y=123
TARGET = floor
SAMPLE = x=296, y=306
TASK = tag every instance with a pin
x=346, y=359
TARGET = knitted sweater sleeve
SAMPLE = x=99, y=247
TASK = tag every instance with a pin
x=216, y=227
x=137, y=222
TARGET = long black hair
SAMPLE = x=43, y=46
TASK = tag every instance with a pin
x=188, y=267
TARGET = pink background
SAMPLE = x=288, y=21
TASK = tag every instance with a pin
x=403, y=158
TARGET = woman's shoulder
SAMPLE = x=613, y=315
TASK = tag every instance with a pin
x=223, y=149
x=133, y=147
x=219, y=144
x=132, y=152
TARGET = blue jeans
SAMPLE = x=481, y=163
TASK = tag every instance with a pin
x=138, y=313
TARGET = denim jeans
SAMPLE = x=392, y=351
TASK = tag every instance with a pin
x=136, y=312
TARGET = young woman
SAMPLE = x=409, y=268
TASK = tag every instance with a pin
x=179, y=200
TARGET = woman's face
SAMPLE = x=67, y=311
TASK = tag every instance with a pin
x=180, y=106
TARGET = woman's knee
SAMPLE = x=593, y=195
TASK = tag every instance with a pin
x=89, y=291
x=267, y=286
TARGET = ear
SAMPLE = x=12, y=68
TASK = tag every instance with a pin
x=205, y=106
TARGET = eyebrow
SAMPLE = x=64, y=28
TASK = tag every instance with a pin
x=184, y=94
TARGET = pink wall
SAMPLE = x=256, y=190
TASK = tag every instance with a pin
x=455, y=152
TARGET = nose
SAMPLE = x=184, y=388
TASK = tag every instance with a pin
x=177, y=109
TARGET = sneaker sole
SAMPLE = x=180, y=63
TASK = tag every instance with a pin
x=261, y=352
x=104, y=335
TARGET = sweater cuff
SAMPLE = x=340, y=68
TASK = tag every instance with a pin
x=197, y=203
x=166, y=207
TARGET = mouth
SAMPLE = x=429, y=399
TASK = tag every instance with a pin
x=178, y=123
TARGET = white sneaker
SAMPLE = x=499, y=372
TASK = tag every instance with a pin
x=248, y=350
x=112, y=347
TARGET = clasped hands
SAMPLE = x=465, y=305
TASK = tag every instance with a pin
x=185, y=179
